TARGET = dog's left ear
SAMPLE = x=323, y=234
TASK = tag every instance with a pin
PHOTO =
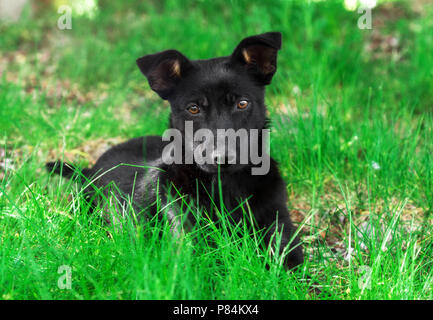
x=259, y=54
x=164, y=70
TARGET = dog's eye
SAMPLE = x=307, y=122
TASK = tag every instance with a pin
x=242, y=104
x=194, y=109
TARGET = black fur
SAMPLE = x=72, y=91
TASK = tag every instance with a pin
x=215, y=86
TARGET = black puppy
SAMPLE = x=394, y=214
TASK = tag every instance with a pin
x=220, y=93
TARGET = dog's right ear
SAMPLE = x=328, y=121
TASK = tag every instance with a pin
x=259, y=55
x=164, y=70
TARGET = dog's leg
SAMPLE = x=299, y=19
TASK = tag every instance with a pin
x=276, y=220
x=289, y=240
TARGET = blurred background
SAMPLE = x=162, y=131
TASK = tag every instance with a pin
x=69, y=85
x=64, y=87
x=82, y=82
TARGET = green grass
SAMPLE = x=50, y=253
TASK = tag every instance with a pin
x=351, y=129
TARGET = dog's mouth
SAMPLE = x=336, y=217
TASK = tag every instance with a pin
x=216, y=160
x=222, y=168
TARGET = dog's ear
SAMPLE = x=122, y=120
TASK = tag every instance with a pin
x=259, y=54
x=164, y=70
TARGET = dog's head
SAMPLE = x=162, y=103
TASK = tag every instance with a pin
x=216, y=94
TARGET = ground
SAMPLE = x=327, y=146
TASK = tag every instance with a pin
x=351, y=113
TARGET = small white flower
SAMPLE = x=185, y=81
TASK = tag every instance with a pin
x=375, y=165
x=353, y=140
x=348, y=254
x=350, y=5
x=370, y=4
